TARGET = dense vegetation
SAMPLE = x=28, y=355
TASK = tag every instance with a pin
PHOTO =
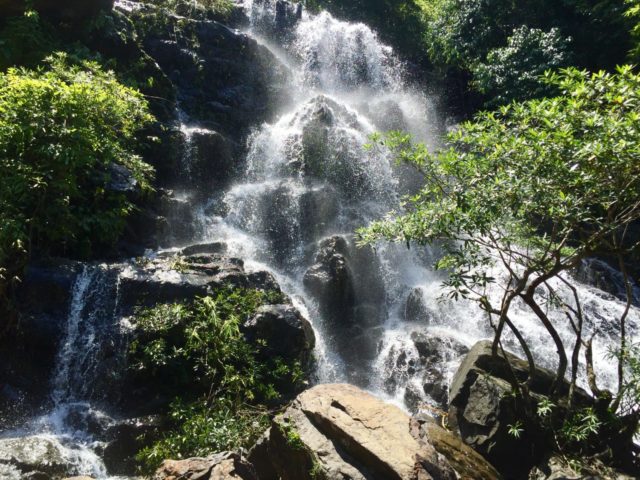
x=67, y=138
x=223, y=385
x=536, y=187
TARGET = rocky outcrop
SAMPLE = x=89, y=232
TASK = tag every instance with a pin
x=222, y=466
x=354, y=305
x=243, y=80
x=482, y=407
x=340, y=431
x=169, y=278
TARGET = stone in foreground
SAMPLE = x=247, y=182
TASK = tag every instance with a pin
x=222, y=466
x=339, y=431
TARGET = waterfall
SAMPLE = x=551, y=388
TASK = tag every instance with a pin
x=310, y=180
x=89, y=357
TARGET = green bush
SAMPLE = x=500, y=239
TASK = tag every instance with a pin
x=198, y=354
x=202, y=428
x=62, y=130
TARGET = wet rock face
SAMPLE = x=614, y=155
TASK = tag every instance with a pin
x=481, y=407
x=339, y=431
x=601, y=275
x=222, y=466
x=415, y=309
x=212, y=160
x=29, y=353
x=346, y=282
x=224, y=79
x=33, y=457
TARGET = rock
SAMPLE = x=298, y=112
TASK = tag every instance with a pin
x=244, y=81
x=222, y=466
x=329, y=280
x=332, y=281
x=211, y=160
x=481, y=407
x=466, y=461
x=434, y=384
x=29, y=352
x=282, y=331
x=215, y=247
x=34, y=455
x=79, y=478
x=287, y=14
x=340, y=431
x=347, y=284
x=601, y=275
x=415, y=309
x=437, y=349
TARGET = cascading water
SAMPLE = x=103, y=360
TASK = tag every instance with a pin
x=89, y=354
x=310, y=182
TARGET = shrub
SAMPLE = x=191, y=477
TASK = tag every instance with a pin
x=221, y=382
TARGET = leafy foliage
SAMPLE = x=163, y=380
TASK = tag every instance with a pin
x=64, y=132
x=514, y=72
x=198, y=349
x=205, y=427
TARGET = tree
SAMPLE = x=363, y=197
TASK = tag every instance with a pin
x=464, y=35
x=535, y=188
x=513, y=72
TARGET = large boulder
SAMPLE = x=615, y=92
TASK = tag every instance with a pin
x=37, y=455
x=222, y=466
x=482, y=407
x=340, y=431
